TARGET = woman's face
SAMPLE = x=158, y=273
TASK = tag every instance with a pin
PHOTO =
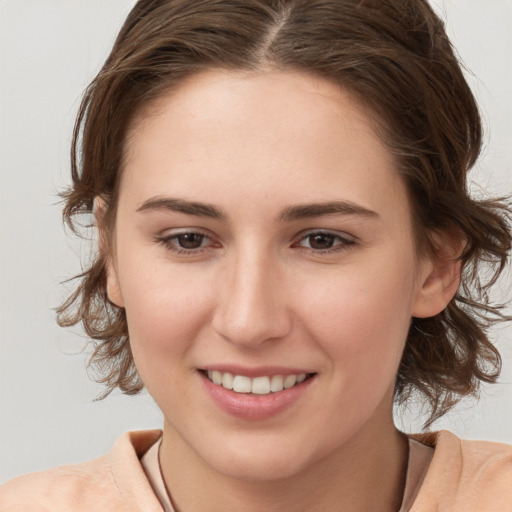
x=263, y=237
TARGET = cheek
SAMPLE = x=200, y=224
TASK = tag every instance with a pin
x=361, y=320
x=166, y=310
x=165, y=318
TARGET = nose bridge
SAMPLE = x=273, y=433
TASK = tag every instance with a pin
x=251, y=308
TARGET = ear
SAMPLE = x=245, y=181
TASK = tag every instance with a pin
x=107, y=251
x=439, y=277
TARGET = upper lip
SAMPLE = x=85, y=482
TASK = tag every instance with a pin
x=252, y=372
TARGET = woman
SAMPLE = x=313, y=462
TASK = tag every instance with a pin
x=286, y=248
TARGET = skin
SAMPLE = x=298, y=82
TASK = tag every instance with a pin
x=258, y=291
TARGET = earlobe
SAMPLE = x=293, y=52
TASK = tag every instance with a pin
x=107, y=253
x=438, y=284
x=113, y=290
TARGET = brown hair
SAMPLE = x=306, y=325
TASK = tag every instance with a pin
x=394, y=55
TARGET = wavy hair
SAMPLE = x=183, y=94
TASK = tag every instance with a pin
x=396, y=58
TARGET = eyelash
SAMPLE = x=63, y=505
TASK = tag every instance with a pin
x=343, y=242
x=168, y=243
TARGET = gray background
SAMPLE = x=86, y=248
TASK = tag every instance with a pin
x=49, y=50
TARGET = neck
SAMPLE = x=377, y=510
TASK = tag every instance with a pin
x=365, y=474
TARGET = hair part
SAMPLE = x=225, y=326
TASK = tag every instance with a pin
x=395, y=58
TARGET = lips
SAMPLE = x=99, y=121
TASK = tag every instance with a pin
x=255, y=394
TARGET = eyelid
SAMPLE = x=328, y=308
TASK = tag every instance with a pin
x=325, y=231
x=346, y=240
x=167, y=236
x=168, y=233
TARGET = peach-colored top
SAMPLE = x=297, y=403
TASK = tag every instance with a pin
x=463, y=476
x=419, y=459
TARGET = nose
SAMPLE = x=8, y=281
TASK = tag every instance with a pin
x=251, y=304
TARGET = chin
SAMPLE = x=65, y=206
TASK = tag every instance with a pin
x=261, y=462
x=260, y=469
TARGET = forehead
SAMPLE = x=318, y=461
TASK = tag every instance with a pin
x=284, y=135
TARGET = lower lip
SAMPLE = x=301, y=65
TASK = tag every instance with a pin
x=255, y=407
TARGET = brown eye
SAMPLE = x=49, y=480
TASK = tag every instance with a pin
x=321, y=241
x=190, y=240
x=325, y=242
x=187, y=243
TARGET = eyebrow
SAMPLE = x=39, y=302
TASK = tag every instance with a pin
x=329, y=208
x=182, y=206
x=290, y=213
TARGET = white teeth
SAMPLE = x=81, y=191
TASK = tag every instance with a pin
x=276, y=384
x=261, y=385
x=227, y=381
x=242, y=384
x=258, y=386
x=290, y=381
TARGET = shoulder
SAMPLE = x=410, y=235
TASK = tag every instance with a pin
x=466, y=475
x=61, y=486
x=103, y=484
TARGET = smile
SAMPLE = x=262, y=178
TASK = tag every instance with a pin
x=259, y=385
